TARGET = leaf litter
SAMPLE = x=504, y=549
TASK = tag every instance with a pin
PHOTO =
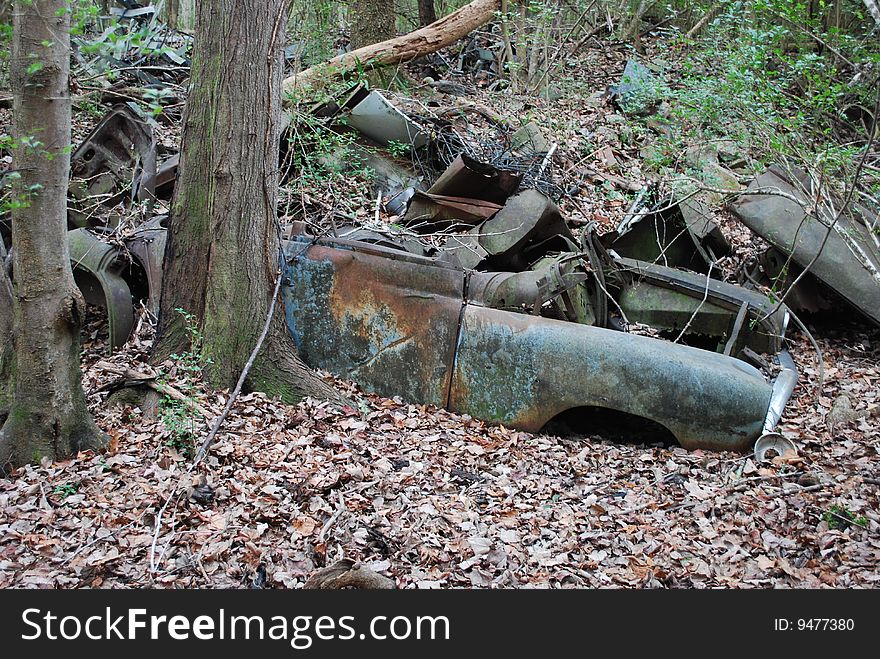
x=438, y=500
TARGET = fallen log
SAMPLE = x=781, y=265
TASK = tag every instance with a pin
x=423, y=41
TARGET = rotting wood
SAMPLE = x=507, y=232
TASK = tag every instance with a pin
x=149, y=380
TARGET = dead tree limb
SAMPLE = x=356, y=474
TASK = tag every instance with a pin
x=713, y=11
x=423, y=41
x=131, y=376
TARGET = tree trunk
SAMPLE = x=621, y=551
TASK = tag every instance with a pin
x=47, y=415
x=633, y=29
x=372, y=21
x=700, y=25
x=180, y=15
x=427, y=14
x=873, y=8
x=222, y=257
x=6, y=354
x=423, y=41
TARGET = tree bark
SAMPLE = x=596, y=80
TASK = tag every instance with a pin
x=873, y=8
x=47, y=415
x=423, y=41
x=223, y=251
x=6, y=354
x=698, y=27
x=372, y=21
x=180, y=15
x=427, y=13
x=633, y=29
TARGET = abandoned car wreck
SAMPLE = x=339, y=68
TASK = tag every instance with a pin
x=503, y=314
x=420, y=328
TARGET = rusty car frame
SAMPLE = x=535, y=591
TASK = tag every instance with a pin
x=430, y=331
x=486, y=303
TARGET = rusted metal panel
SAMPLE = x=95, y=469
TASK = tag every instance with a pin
x=379, y=120
x=528, y=227
x=670, y=299
x=557, y=287
x=523, y=371
x=147, y=246
x=467, y=177
x=388, y=323
x=97, y=269
x=430, y=209
x=678, y=235
x=396, y=323
x=114, y=164
x=847, y=261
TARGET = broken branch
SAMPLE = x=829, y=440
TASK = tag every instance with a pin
x=149, y=380
x=423, y=41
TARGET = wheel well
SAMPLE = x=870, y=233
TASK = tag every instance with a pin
x=607, y=423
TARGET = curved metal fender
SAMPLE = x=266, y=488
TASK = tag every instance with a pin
x=96, y=269
x=522, y=371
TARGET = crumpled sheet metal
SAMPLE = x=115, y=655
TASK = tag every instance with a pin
x=804, y=292
x=432, y=211
x=682, y=235
x=377, y=118
x=669, y=299
x=466, y=177
x=785, y=225
x=562, y=285
x=97, y=270
x=147, y=246
x=403, y=325
x=637, y=88
x=114, y=164
x=527, y=227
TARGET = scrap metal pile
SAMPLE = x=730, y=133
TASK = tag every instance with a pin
x=481, y=299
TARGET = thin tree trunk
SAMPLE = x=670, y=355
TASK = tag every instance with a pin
x=6, y=354
x=372, y=21
x=423, y=41
x=633, y=30
x=180, y=14
x=873, y=8
x=513, y=73
x=427, y=13
x=222, y=256
x=48, y=415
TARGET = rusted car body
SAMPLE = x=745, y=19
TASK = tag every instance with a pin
x=418, y=327
x=505, y=314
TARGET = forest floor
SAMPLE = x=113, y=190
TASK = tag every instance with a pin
x=433, y=499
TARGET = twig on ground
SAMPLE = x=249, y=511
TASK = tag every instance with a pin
x=203, y=449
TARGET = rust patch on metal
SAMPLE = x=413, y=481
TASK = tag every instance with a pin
x=391, y=324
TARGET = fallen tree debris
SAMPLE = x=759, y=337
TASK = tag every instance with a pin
x=423, y=41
